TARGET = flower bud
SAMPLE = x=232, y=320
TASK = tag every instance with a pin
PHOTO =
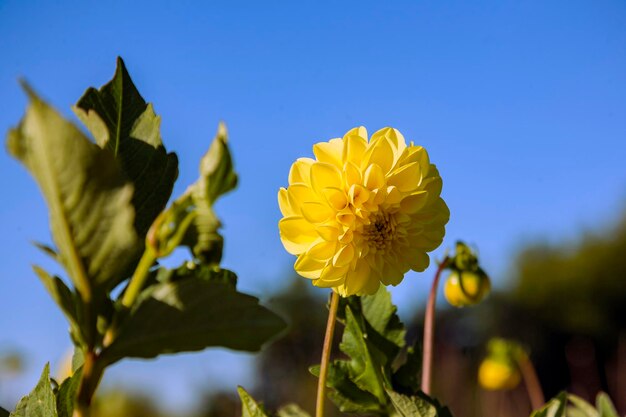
x=498, y=374
x=466, y=288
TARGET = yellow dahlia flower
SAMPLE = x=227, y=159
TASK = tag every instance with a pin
x=363, y=212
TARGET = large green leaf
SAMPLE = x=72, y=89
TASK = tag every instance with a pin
x=249, y=407
x=365, y=369
x=87, y=195
x=121, y=120
x=192, y=314
x=40, y=402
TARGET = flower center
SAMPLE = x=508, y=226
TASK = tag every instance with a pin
x=381, y=231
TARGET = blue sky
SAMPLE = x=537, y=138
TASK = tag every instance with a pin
x=521, y=105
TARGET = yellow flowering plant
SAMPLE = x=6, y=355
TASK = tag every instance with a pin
x=358, y=216
x=363, y=212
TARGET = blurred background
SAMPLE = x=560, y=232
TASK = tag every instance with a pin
x=520, y=104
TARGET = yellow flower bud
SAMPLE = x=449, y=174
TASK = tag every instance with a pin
x=466, y=288
x=496, y=374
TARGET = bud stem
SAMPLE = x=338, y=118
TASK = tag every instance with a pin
x=429, y=330
x=139, y=277
x=531, y=381
x=328, y=343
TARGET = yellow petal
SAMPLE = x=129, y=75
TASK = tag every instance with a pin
x=433, y=184
x=393, y=196
x=352, y=174
x=283, y=203
x=329, y=152
x=416, y=154
x=407, y=178
x=332, y=275
x=391, y=274
x=344, y=256
x=324, y=176
x=336, y=198
x=328, y=233
x=358, y=194
x=414, y=202
x=360, y=131
x=322, y=251
x=371, y=287
x=317, y=212
x=308, y=267
x=358, y=279
x=380, y=153
x=420, y=262
x=346, y=217
x=301, y=171
x=374, y=177
x=346, y=237
x=299, y=194
x=354, y=145
x=395, y=138
x=296, y=234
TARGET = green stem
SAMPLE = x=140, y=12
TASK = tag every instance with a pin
x=429, y=331
x=328, y=343
x=139, y=277
x=91, y=375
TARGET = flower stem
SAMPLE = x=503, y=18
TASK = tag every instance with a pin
x=429, y=330
x=531, y=381
x=328, y=343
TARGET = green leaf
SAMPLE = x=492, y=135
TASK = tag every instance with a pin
x=292, y=410
x=583, y=406
x=382, y=315
x=201, y=271
x=78, y=359
x=364, y=367
x=60, y=293
x=605, y=406
x=217, y=175
x=216, y=178
x=192, y=314
x=120, y=120
x=554, y=408
x=40, y=402
x=4, y=413
x=411, y=406
x=66, y=395
x=345, y=394
x=88, y=198
x=249, y=407
x=406, y=379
